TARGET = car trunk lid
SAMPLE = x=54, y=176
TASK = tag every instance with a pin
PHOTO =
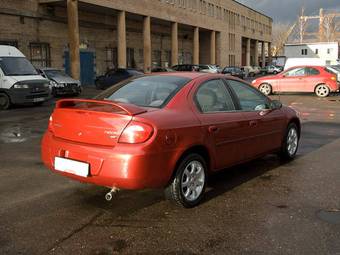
x=91, y=121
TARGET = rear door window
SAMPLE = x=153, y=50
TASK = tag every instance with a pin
x=311, y=71
x=213, y=96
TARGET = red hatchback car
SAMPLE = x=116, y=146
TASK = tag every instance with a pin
x=316, y=79
x=167, y=130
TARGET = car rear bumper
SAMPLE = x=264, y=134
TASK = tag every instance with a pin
x=124, y=166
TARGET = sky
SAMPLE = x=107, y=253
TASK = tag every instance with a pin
x=287, y=11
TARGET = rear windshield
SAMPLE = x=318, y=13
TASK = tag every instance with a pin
x=148, y=91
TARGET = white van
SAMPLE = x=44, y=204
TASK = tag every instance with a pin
x=291, y=62
x=20, y=82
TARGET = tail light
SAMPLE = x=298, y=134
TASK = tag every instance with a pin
x=50, y=124
x=333, y=78
x=136, y=132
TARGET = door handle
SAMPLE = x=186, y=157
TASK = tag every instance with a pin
x=253, y=123
x=213, y=129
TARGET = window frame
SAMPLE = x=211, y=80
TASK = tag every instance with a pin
x=237, y=100
x=43, y=61
x=198, y=107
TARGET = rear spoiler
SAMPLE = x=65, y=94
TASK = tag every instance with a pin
x=128, y=109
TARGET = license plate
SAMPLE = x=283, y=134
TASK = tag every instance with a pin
x=71, y=166
x=38, y=99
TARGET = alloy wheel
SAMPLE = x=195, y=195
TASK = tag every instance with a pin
x=322, y=91
x=193, y=180
x=292, y=141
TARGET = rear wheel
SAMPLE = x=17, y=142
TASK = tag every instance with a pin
x=322, y=90
x=5, y=102
x=188, y=185
x=291, y=142
x=266, y=89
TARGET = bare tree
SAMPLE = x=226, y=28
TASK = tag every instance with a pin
x=330, y=27
x=280, y=36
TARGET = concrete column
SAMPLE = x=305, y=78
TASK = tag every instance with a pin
x=174, y=43
x=248, y=53
x=147, y=44
x=256, y=53
x=212, y=48
x=263, y=54
x=73, y=33
x=121, y=34
x=196, y=50
x=270, y=53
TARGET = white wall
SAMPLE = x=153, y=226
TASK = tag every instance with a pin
x=329, y=52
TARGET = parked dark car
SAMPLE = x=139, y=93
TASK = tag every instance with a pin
x=234, y=71
x=114, y=76
x=186, y=68
x=161, y=69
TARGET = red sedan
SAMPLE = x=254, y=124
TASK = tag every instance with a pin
x=316, y=79
x=167, y=130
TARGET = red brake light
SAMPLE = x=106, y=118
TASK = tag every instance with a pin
x=136, y=132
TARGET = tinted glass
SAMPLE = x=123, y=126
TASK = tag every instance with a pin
x=213, y=96
x=149, y=91
x=17, y=66
x=295, y=72
x=250, y=99
x=311, y=71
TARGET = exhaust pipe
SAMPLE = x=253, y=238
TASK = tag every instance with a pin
x=109, y=195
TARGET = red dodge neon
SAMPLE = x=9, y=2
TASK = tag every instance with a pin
x=316, y=79
x=167, y=130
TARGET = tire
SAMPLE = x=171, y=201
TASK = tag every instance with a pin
x=266, y=89
x=322, y=90
x=275, y=72
x=290, y=143
x=187, y=186
x=252, y=74
x=5, y=102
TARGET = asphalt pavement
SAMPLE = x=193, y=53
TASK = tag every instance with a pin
x=262, y=207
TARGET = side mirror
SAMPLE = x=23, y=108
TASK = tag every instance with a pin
x=275, y=104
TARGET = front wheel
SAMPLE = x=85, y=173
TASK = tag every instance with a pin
x=266, y=89
x=291, y=142
x=187, y=187
x=5, y=102
x=322, y=90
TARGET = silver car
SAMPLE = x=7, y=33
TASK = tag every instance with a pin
x=61, y=83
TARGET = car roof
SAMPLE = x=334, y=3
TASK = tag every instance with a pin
x=195, y=75
x=49, y=68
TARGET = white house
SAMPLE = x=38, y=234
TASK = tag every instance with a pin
x=327, y=51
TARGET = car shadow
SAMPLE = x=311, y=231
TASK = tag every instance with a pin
x=227, y=179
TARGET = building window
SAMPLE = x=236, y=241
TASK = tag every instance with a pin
x=40, y=54
x=10, y=43
x=316, y=51
x=329, y=51
x=231, y=60
x=111, y=58
x=304, y=52
x=130, y=58
x=156, y=58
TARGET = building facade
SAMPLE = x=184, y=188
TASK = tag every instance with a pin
x=326, y=51
x=87, y=37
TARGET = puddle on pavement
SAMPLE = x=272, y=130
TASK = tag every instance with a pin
x=17, y=134
x=331, y=216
